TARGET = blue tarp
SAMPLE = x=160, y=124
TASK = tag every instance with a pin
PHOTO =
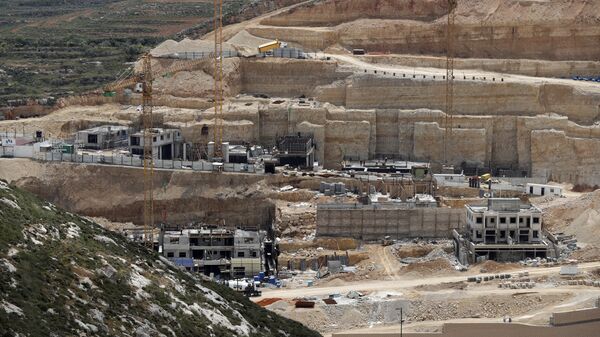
x=184, y=262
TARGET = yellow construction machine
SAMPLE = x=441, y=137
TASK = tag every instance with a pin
x=267, y=47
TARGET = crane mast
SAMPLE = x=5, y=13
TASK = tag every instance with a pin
x=452, y=4
x=218, y=77
x=147, y=118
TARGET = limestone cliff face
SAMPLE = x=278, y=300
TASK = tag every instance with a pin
x=287, y=77
x=540, y=68
x=334, y=12
x=551, y=30
x=472, y=97
x=563, y=158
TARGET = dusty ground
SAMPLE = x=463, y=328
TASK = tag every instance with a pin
x=418, y=276
x=430, y=301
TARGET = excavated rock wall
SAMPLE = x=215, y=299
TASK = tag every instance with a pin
x=562, y=158
x=334, y=12
x=287, y=77
x=505, y=141
x=471, y=97
x=539, y=68
x=508, y=29
x=552, y=41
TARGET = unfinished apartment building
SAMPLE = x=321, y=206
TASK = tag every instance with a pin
x=219, y=252
x=503, y=230
x=296, y=151
x=102, y=137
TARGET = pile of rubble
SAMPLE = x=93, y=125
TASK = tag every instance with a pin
x=481, y=307
x=435, y=255
x=296, y=220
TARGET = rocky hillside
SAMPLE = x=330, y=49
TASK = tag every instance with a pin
x=62, y=275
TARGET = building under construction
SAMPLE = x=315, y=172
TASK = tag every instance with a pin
x=296, y=151
x=505, y=230
x=219, y=252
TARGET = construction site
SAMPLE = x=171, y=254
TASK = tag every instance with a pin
x=363, y=167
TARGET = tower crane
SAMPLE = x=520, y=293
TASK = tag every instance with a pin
x=452, y=4
x=146, y=77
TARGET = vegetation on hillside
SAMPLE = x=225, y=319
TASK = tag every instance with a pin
x=63, y=275
x=57, y=48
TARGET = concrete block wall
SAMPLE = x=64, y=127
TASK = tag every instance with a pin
x=370, y=223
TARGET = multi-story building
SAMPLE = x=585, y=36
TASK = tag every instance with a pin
x=217, y=251
x=504, y=230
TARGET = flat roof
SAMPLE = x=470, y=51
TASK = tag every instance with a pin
x=544, y=185
x=484, y=208
x=448, y=175
x=105, y=128
x=156, y=131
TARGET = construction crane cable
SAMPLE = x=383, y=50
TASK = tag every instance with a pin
x=448, y=125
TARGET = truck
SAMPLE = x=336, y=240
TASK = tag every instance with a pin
x=269, y=46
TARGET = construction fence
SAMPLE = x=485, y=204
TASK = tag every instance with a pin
x=122, y=160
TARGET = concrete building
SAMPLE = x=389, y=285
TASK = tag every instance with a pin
x=247, y=259
x=453, y=179
x=543, y=189
x=503, y=230
x=102, y=137
x=166, y=144
x=296, y=151
x=217, y=251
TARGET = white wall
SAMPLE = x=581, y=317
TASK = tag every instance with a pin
x=548, y=190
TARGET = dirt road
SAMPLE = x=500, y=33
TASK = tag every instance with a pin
x=397, y=284
x=479, y=75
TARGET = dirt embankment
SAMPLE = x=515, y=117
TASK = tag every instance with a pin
x=116, y=193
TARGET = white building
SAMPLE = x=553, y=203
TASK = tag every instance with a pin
x=102, y=137
x=443, y=179
x=541, y=190
x=504, y=220
x=166, y=143
x=503, y=230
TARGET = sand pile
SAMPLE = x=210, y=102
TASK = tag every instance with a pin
x=428, y=268
x=246, y=43
x=579, y=217
x=187, y=45
x=490, y=266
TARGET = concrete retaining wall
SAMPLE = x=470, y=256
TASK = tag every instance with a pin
x=373, y=223
x=494, y=330
x=570, y=317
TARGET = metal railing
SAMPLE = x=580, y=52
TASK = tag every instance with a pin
x=134, y=161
